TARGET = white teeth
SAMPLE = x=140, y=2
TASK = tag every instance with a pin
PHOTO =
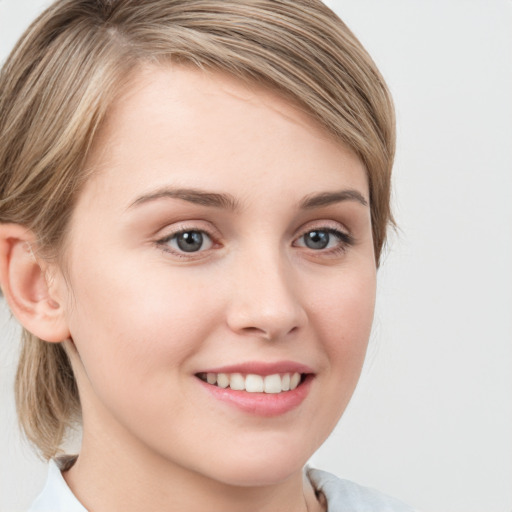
x=272, y=384
x=294, y=381
x=222, y=380
x=237, y=382
x=285, y=383
x=253, y=383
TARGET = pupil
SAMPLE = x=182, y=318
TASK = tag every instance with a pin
x=317, y=239
x=190, y=241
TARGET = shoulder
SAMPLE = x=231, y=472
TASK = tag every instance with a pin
x=56, y=496
x=346, y=496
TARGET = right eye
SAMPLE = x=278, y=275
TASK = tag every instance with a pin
x=188, y=241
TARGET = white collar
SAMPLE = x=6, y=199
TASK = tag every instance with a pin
x=56, y=496
x=340, y=494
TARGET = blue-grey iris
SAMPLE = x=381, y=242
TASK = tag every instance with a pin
x=317, y=239
x=190, y=241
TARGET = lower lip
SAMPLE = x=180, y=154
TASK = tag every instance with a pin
x=262, y=404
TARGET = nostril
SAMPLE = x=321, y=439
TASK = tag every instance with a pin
x=268, y=335
x=256, y=331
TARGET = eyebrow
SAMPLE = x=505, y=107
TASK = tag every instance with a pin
x=228, y=202
x=328, y=198
x=200, y=197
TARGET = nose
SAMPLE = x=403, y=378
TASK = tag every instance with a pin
x=265, y=299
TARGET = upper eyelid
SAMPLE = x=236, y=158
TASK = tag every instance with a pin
x=174, y=229
x=169, y=231
x=344, y=237
x=326, y=225
x=173, y=234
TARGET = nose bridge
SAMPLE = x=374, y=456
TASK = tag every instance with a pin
x=265, y=298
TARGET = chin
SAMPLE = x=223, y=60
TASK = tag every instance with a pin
x=261, y=468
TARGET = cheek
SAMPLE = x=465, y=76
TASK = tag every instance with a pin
x=135, y=337
x=349, y=300
x=343, y=316
x=130, y=325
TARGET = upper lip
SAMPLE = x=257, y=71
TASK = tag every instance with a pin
x=261, y=368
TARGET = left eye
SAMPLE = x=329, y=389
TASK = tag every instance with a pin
x=190, y=241
x=319, y=239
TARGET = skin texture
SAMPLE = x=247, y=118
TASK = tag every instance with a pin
x=145, y=318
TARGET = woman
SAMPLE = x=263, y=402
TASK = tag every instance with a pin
x=194, y=197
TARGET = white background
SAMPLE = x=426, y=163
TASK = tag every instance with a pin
x=431, y=421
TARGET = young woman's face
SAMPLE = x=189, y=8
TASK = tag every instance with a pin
x=223, y=240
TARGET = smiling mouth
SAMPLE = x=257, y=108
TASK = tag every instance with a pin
x=253, y=383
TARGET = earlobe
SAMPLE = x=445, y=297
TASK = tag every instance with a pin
x=23, y=278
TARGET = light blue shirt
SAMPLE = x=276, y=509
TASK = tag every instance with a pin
x=347, y=496
x=341, y=495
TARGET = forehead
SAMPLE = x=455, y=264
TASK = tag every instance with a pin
x=175, y=122
x=177, y=87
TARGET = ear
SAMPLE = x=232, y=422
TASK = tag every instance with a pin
x=33, y=299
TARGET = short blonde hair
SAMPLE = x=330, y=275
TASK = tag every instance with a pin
x=72, y=62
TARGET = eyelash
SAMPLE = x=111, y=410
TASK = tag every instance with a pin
x=163, y=243
x=345, y=240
